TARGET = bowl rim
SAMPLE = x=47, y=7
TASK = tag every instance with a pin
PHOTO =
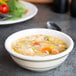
x=38, y=58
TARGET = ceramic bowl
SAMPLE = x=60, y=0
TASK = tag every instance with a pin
x=37, y=63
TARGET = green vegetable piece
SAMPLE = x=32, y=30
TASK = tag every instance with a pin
x=16, y=8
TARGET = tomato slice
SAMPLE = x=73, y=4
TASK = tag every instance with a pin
x=4, y=9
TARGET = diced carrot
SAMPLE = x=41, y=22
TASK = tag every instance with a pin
x=44, y=50
x=60, y=51
x=54, y=52
x=50, y=50
x=37, y=43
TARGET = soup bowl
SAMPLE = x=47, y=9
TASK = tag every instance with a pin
x=39, y=63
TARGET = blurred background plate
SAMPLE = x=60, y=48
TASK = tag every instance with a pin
x=32, y=11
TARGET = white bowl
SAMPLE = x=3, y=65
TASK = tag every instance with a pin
x=37, y=63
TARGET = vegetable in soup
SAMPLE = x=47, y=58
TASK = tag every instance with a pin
x=39, y=45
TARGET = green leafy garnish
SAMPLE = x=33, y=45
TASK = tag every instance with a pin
x=17, y=9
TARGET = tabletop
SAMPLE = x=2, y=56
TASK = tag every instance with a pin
x=68, y=24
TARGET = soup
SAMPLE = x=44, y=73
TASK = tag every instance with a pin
x=39, y=45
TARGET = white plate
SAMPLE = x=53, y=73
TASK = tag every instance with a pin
x=32, y=12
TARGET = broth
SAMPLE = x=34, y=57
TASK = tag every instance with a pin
x=39, y=45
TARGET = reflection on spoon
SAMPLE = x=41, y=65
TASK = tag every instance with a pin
x=52, y=25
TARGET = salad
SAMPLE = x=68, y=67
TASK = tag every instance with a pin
x=12, y=7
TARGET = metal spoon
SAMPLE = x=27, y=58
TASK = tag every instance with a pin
x=4, y=16
x=52, y=25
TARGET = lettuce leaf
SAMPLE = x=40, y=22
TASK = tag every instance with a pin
x=16, y=8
